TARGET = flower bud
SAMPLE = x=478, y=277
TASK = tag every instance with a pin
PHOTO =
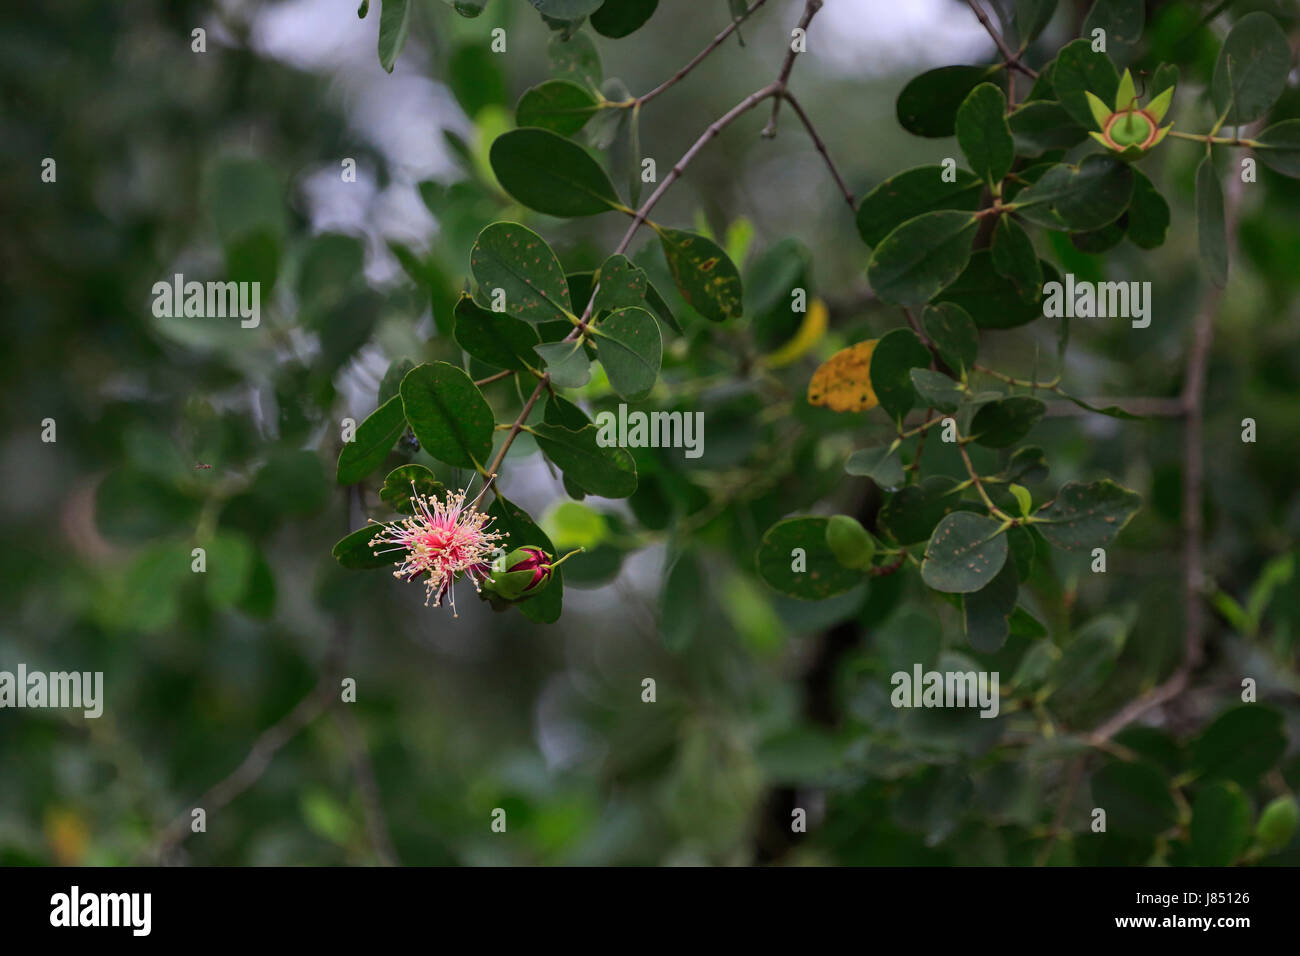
x=523, y=573
x=1128, y=130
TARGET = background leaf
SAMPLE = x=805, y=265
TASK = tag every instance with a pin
x=1251, y=70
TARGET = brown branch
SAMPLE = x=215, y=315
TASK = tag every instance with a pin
x=274, y=738
x=371, y=803
x=494, y=378
x=810, y=9
x=821, y=148
x=1193, y=403
x=699, y=57
x=1011, y=59
x=716, y=127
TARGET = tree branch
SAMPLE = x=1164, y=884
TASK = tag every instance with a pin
x=368, y=786
x=810, y=9
x=1011, y=59
x=821, y=148
x=273, y=739
x=699, y=57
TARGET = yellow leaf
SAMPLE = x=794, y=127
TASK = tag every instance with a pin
x=843, y=382
x=810, y=333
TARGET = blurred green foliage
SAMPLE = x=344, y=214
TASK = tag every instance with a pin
x=177, y=433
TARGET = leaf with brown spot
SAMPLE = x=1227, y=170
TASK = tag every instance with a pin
x=706, y=278
x=843, y=382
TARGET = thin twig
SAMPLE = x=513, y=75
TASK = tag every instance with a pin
x=1008, y=55
x=821, y=148
x=273, y=739
x=1193, y=402
x=505, y=373
x=810, y=9
x=699, y=57
x=371, y=803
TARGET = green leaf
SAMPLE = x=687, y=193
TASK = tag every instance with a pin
x=986, y=613
x=1002, y=423
x=1113, y=411
x=516, y=260
x=1032, y=18
x=355, y=552
x=928, y=104
x=404, y=481
x=795, y=560
x=575, y=59
x=705, y=276
x=654, y=298
x=849, y=542
x=1080, y=198
x=1242, y=743
x=881, y=464
x=394, y=21
x=561, y=106
x=1122, y=20
x=1251, y=71
x=936, y=389
x=1100, y=240
x=448, y=414
x=607, y=472
x=548, y=173
x=1086, y=516
x=494, y=338
x=915, y=261
x=1043, y=126
x=630, y=349
x=1279, y=148
x=566, y=363
x=909, y=516
x=953, y=333
x=983, y=134
x=476, y=77
x=561, y=411
x=1148, y=213
x=392, y=380
x=895, y=355
x=1027, y=464
x=1277, y=823
x=620, y=18
x=912, y=193
x=1220, y=828
x=1023, y=499
x=466, y=8
x=373, y=440
x=1080, y=71
x=621, y=285
x=229, y=562
x=1013, y=254
x=683, y=598
x=1088, y=661
x=545, y=607
x=964, y=553
x=1211, y=223
x=566, y=9
x=992, y=300
x=1136, y=799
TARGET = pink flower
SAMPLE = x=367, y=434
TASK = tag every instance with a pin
x=443, y=539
